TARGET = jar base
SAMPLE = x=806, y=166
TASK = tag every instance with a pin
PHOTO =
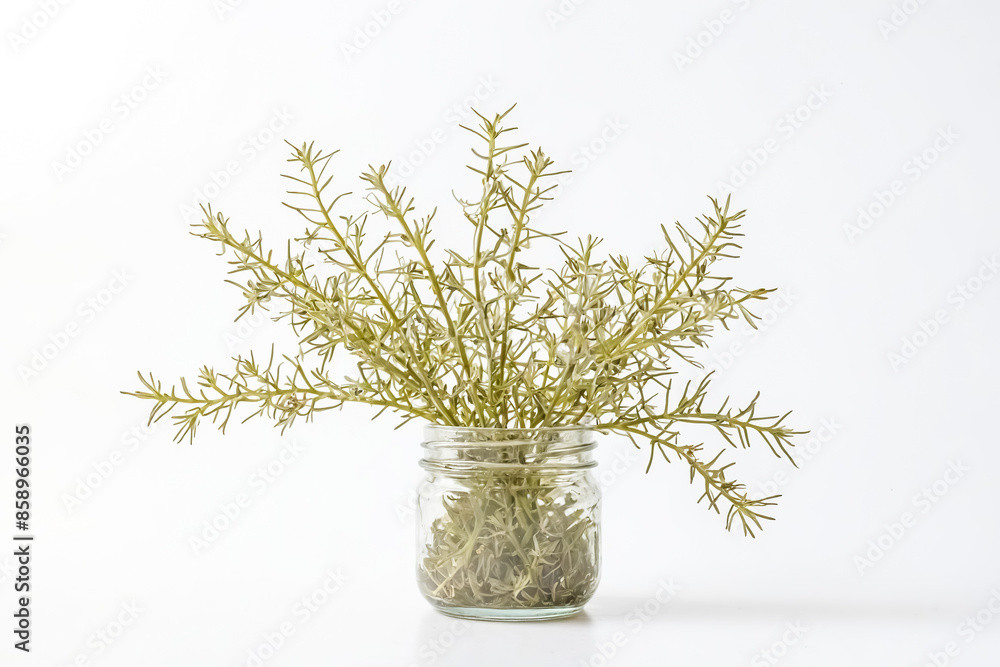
x=514, y=615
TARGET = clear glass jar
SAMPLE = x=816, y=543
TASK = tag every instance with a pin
x=508, y=522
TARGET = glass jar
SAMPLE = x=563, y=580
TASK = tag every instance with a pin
x=508, y=522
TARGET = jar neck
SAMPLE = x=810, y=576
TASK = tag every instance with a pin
x=457, y=450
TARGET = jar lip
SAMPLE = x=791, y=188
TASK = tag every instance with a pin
x=543, y=444
x=428, y=428
x=456, y=451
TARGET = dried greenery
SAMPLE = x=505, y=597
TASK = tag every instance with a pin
x=522, y=537
x=477, y=337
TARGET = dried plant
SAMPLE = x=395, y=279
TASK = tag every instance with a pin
x=476, y=337
x=519, y=537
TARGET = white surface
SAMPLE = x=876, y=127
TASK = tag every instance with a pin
x=674, y=134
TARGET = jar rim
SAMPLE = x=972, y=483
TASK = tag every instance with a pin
x=507, y=429
x=459, y=450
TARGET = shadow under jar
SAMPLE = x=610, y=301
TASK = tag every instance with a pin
x=508, y=522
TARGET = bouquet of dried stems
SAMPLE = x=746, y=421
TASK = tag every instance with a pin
x=473, y=336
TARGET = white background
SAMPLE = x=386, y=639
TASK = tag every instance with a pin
x=602, y=87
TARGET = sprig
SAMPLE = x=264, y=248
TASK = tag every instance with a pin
x=476, y=336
